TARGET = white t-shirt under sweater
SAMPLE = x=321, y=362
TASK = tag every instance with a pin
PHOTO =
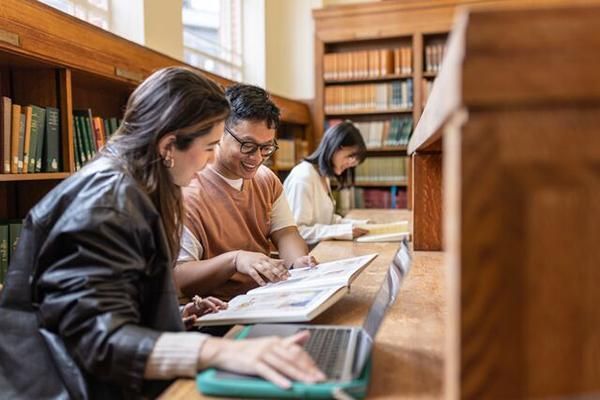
x=313, y=207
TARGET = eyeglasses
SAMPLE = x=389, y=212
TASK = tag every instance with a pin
x=250, y=147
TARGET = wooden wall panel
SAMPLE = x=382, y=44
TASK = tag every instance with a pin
x=427, y=201
x=529, y=254
x=35, y=86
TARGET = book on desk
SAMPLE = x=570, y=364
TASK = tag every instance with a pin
x=389, y=232
x=304, y=295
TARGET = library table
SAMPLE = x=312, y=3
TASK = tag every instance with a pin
x=409, y=350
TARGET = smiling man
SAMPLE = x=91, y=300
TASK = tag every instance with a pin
x=236, y=207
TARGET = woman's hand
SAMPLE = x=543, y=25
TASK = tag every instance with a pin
x=279, y=360
x=200, y=306
x=261, y=268
x=358, y=232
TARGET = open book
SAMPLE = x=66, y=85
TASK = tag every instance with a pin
x=304, y=295
x=390, y=232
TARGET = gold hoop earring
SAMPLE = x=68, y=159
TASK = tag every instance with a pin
x=168, y=162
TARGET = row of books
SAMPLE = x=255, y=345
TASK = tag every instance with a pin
x=434, y=55
x=357, y=197
x=397, y=95
x=9, y=237
x=286, y=154
x=380, y=198
x=29, y=138
x=381, y=169
x=90, y=134
x=367, y=64
x=289, y=154
x=392, y=132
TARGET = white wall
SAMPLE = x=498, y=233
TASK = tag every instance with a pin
x=290, y=30
x=253, y=42
x=163, y=28
x=289, y=47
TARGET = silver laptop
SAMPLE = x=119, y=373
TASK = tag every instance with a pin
x=342, y=351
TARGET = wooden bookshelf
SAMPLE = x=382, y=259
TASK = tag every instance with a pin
x=379, y=26
x=506, y=169
x=69, y=64
x=391, y=149
x=381, y=183
x=368, y=111
x=44, y=176
x=386, y=78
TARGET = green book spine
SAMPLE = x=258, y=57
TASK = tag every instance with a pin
x=3, y=251
x=40, y=114
x=81, y=116
x=33, y=138
x=13, y=235
x=106, y=129
x=21, y=142
x=52, y=142
x=89, y=119
x=89, y=137
x=86, y=155
x=76, y=146
x=114, y=125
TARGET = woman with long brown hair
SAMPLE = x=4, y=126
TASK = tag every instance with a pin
x=89, y=309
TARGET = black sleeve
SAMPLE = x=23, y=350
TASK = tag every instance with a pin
x=94, y=267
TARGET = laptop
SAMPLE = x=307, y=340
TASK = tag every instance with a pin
x=341, y=352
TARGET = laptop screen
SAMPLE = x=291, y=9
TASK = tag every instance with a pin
x=389, y=289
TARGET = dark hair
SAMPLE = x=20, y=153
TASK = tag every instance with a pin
x=251, y=103
x=344, y=134
x=168, y=101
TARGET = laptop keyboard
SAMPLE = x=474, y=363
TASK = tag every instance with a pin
x=328, y=348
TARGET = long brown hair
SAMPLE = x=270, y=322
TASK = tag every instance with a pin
x=168, y=101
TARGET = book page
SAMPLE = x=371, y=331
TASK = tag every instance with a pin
x=339, y=272
x=296, y=306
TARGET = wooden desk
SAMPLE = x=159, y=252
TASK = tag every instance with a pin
x=408, y=356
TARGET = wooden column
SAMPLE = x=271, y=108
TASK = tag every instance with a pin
x=427, y=201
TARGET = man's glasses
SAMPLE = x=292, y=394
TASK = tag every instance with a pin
x=250, y=147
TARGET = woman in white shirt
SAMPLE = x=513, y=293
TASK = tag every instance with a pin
x=308, y=188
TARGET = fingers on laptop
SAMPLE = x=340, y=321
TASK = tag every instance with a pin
x=286, y=359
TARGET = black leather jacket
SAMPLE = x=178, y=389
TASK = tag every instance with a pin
x=88, y=292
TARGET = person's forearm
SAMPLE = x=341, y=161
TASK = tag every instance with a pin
x=175, y=354
x=202, y=277
x=290, y=245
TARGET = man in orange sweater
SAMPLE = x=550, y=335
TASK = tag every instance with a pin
x=236, y=207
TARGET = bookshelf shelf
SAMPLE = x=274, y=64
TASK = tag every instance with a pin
x=381, y=184
x=431, y=75
x=367, y=80
x=391, y=149
x=369, y=112
x=33, y=177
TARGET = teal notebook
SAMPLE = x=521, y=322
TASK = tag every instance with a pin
x=212, y=383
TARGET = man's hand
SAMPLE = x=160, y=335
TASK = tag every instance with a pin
x=305, y=261
x=261, y=268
